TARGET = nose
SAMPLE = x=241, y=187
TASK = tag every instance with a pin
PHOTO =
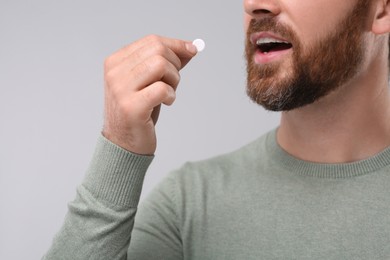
x=262, y=8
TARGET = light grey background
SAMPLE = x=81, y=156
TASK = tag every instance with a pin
x=51, y=100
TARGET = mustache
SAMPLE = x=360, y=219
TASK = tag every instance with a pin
x=270, y=24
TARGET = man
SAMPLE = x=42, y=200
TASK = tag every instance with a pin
x=315, y=188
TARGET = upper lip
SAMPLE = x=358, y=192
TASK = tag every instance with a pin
x=259, y=35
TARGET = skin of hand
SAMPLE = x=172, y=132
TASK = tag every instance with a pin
x=138, y=79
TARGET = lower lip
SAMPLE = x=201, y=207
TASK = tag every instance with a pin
x=264, y=58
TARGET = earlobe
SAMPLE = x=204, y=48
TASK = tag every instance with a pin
x=381, y=23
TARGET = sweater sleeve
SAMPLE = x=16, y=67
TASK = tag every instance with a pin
x=100, y=220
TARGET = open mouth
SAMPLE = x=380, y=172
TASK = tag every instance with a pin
x=267, y=45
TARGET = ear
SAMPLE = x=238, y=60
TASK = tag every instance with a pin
x=381, y=23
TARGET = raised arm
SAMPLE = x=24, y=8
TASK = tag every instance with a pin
x=138, y=79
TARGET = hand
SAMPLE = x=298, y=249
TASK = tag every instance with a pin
x=138, y=79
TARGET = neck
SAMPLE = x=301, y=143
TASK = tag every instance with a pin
x=350, y=124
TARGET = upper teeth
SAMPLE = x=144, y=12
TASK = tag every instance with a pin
x=269, y=40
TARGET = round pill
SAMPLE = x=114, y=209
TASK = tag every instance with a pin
x=199, y=44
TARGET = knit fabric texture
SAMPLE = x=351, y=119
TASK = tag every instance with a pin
x=258, y=202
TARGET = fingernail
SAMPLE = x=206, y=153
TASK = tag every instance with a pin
x=191, y=48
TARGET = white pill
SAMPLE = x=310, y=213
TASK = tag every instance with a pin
x=199, y=44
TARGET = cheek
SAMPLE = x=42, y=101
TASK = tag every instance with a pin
x=321, y=20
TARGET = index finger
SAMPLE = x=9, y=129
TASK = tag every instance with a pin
x=184, y=50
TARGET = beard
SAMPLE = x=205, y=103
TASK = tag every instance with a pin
x=321, y=69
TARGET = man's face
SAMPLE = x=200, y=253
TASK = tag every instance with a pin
x=299, y=52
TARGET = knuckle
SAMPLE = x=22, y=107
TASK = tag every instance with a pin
x=177, y=80
x=154, y=94
x=153, y=38
x=165, y=90
x=178, y=77
x=108, y=63
x=162, y=88
x=159, y=48
x=159, y=64
x=110, y=76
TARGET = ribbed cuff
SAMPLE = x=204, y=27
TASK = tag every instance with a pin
x=115, y=175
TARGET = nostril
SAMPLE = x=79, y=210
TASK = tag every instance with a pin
x=261, y=11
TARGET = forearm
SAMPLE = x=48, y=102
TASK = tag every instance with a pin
x=100, y=219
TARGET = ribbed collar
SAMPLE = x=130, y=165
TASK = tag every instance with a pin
x=323, y=170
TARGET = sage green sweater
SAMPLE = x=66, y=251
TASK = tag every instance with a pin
x=255, y=203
